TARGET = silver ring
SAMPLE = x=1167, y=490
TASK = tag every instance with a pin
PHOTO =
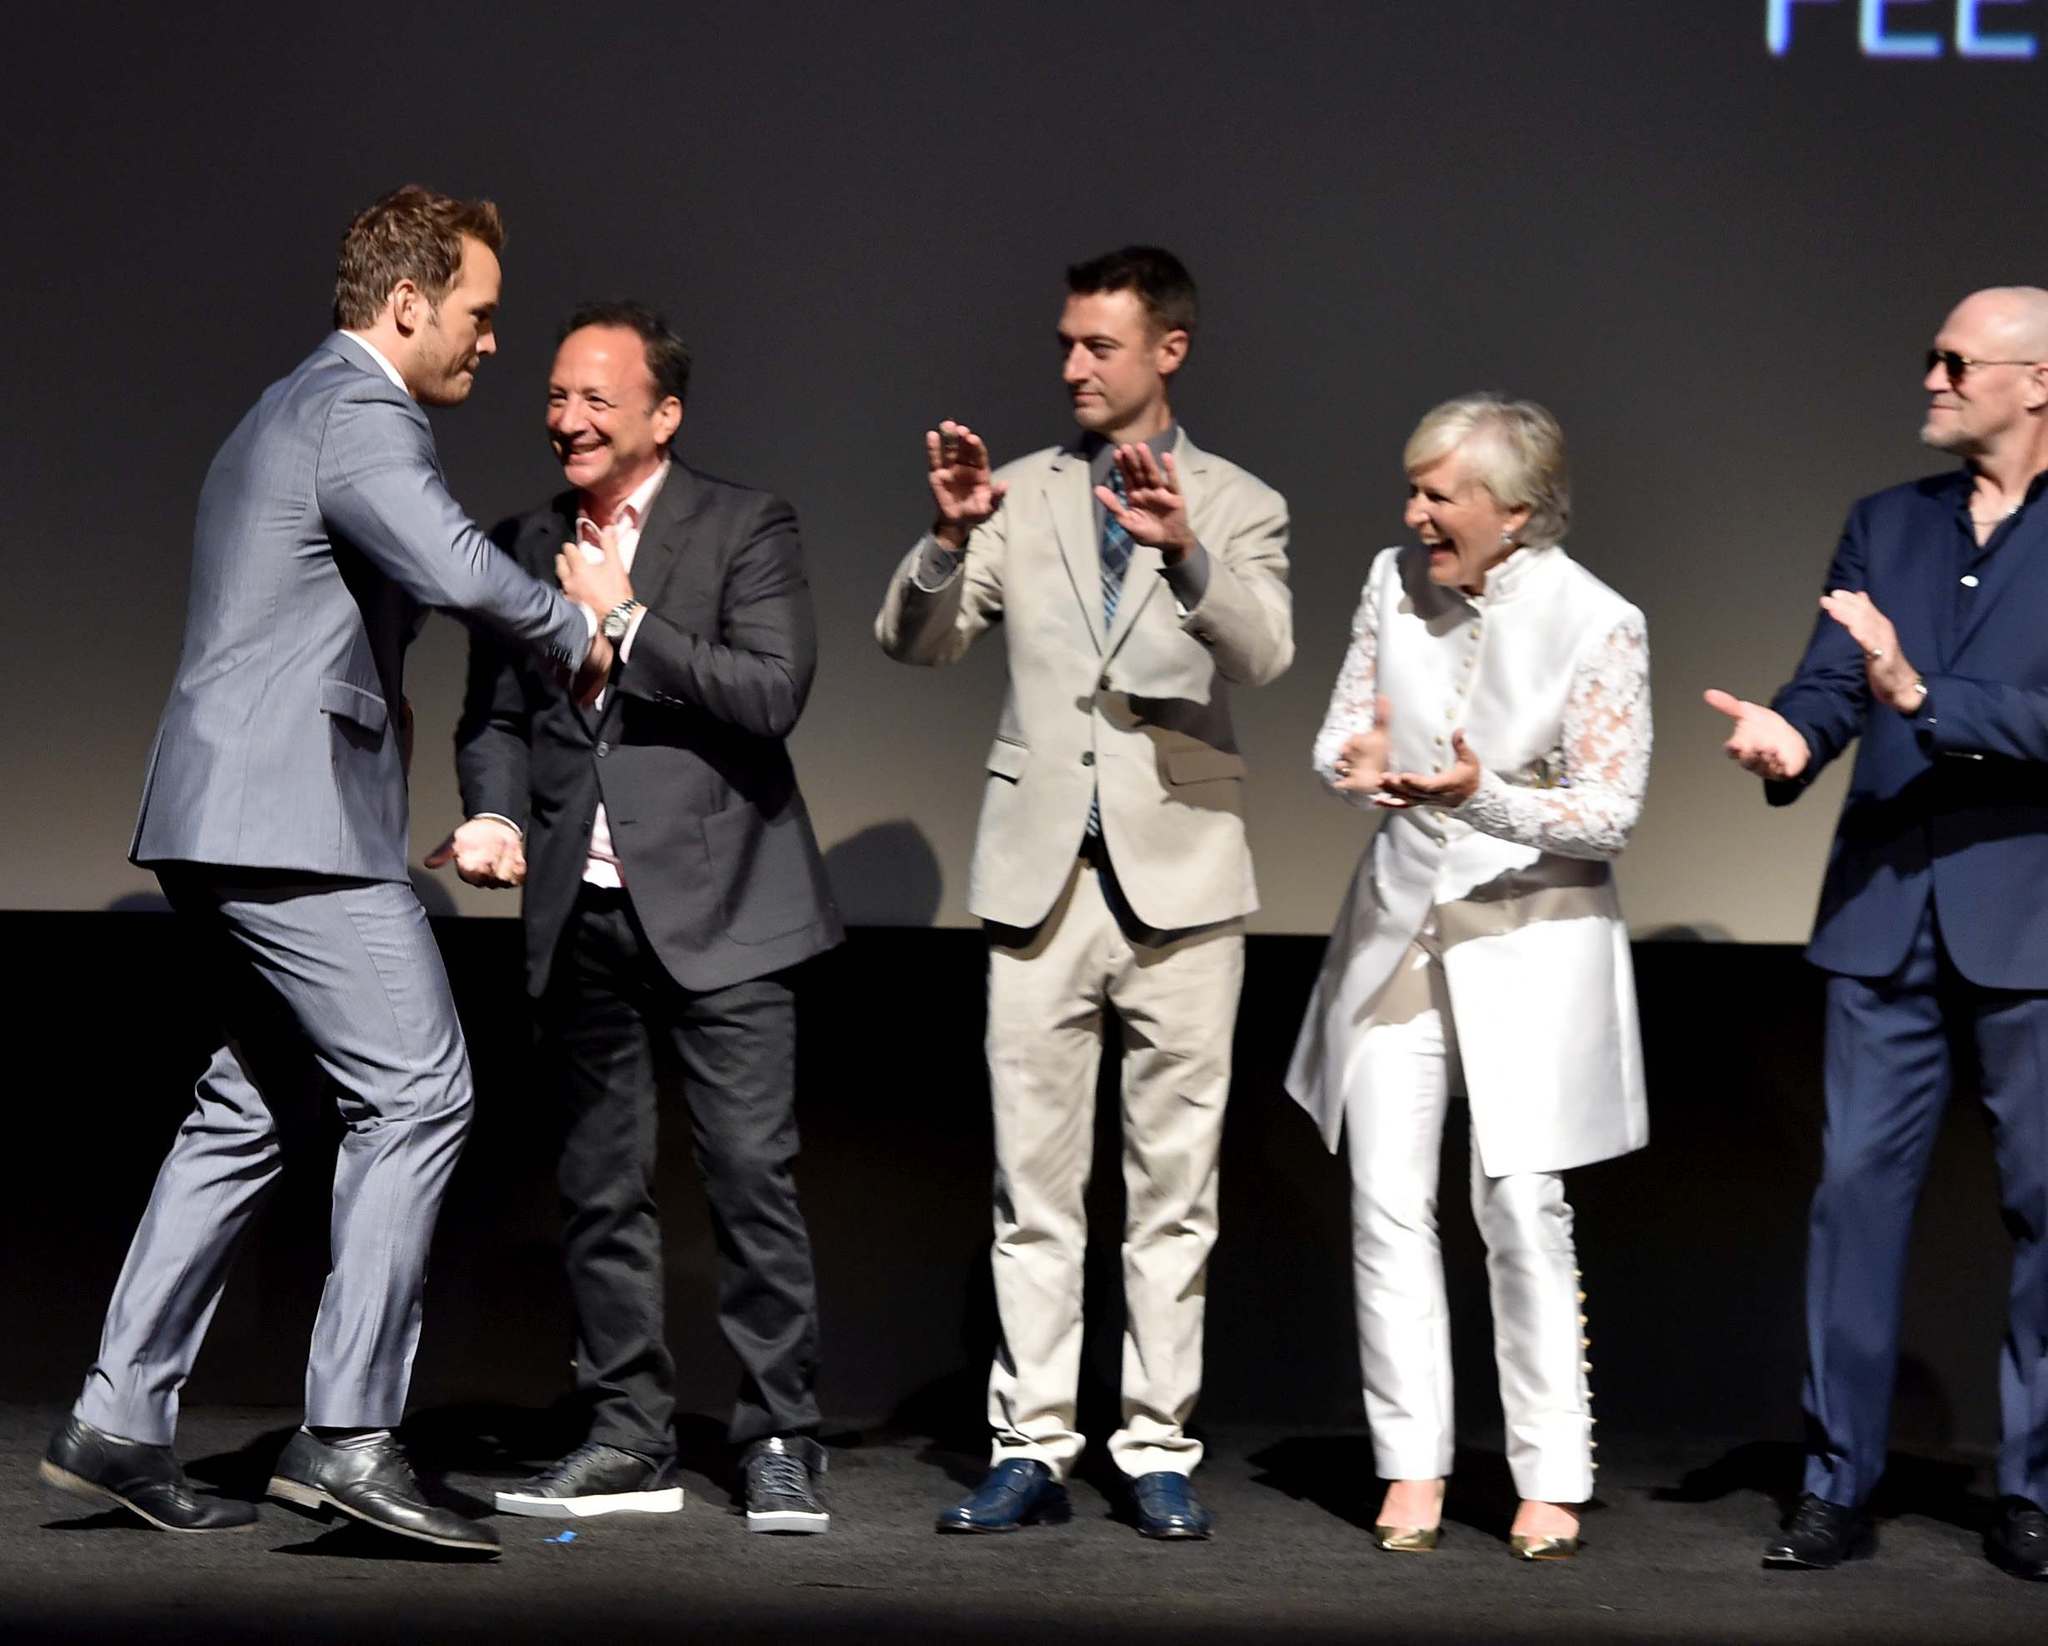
x=1876, y=656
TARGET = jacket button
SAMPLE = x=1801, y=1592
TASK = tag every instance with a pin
x=603, y=749
x=1088, y=759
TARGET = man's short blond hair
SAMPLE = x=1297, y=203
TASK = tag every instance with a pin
x=411, y=234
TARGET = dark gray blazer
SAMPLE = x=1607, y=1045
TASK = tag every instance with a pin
x=687, y=753
x=325, y=529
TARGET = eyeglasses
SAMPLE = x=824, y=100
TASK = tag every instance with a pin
x=1959, y=366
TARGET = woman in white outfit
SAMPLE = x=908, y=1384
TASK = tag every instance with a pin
x=1495, y=706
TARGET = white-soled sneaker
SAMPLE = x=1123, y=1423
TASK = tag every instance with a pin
x=781, y=1480
x=596, y=1479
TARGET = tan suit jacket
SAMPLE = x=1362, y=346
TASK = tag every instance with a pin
x=1144, y=709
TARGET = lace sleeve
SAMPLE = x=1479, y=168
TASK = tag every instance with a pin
x=1351, y=698
x=1603, y=759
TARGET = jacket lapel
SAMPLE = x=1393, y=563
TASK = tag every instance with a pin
x=1141, y=578
x=665, y=533
x=1071, y=501
x=557, y=531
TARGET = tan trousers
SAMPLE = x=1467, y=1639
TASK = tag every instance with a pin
x=1176, y=996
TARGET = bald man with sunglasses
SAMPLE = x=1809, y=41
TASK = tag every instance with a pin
x=1933, y=927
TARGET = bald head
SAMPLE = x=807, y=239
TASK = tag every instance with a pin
x=2016, y=317
x=1987, y=379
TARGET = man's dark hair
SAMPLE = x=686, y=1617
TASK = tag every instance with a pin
x=1160, y=279
x=668, y=356
x=411, y=234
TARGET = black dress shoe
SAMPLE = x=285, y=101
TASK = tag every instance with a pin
x=781, y=1475
x=2019, y=1542
x=1819, y=1535
x=1165, y=1507
x=596, y=1479
x=144, y=1480
x=367, y=1478
x=1019, y=1491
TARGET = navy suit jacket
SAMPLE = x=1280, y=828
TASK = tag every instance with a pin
x=1949, y=803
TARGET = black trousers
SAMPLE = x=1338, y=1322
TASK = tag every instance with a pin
x=610, y=1002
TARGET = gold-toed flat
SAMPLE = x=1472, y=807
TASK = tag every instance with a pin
x=1406, y=1540
x=1543, y=1548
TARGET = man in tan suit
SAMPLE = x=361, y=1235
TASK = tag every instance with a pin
x=1136, y=578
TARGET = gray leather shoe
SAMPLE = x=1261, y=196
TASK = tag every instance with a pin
x=367, y=1478
x=144, y=1480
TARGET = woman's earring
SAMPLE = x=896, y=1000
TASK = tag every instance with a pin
x=1507, y=538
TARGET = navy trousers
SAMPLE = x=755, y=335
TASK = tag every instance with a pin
x=1888, y=1076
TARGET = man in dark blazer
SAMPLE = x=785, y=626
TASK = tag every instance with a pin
x=274, y=813
x=672, y=879
x=1932, y=648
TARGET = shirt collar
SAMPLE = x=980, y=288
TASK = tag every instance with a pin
x=633, y=512
x=377, y=356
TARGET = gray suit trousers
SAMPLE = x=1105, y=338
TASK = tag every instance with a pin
x=324, y=983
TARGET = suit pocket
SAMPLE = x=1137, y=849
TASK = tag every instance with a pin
x=1202, y=765
x=350, y=702
x=1008, y=758
x=765, y=871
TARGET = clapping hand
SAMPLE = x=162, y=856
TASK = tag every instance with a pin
x=1362, y=760
x=1152, y=509
x=1452, y=786
x=1763, y=741
x=1893, y=681
x=963, y=483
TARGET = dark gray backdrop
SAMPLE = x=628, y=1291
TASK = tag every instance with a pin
x=1717, y=266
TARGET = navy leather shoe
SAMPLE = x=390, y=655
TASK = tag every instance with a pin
x=1819, y=1536
x=1019, y=1491
x=2019, y=1541
x=1165, y=1507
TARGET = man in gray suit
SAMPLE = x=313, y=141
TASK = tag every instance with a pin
x=1136, y=578
x=274, y=814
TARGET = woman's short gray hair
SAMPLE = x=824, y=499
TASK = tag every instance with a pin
x=1514, y=448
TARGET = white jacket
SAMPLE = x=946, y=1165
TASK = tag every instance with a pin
x=1547, y=673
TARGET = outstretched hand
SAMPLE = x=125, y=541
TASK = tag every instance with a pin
x=486, y=851
x=1763, y=741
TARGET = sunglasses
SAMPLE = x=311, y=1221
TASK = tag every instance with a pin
x=1959, y=366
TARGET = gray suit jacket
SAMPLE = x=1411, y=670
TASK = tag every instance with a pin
x=325, y=529
x=1141, y=713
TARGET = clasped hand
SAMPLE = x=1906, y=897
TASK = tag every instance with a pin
x=594, y=576
x=1362, y=769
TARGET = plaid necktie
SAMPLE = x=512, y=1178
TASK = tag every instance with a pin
x=1116, y=552
x=1116, y=560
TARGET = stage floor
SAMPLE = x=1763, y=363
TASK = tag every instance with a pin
x=1671, y=1557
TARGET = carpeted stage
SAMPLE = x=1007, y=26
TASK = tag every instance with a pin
x=1672, y=1557
x=1691, y=1252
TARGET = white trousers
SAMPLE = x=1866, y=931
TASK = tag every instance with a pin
x=1176, y=998
x=1397, y=1095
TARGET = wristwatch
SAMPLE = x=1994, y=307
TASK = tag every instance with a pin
x=619, y=619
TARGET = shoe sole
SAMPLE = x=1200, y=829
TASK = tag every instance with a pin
x=311, y=1500
x=788, y=1520
x=1792, y=1564
x=65, y=1481
x=665, y=1502
x=1056, y=1517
